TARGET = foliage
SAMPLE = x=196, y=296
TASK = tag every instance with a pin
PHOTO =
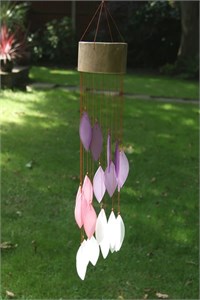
x=54, y=43
x=168, y=69
x=189, y=68
x=14, y=15
x=160, y=250
x=184, y=68
x=153, y=34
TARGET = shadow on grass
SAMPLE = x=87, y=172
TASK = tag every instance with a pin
x=53, y=75
x=161, y=86
x=158, y=203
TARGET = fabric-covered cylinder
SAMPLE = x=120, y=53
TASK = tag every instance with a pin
x=107, y=58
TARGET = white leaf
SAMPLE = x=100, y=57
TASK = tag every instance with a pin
x=93, y=250
x=112, y=231
x=120, y=233
x=82, y=260
x=105, y=245
x=101, y=226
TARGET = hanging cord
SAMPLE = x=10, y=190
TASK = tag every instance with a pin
x=102, y=4
x=118, y=200
x=107, y=12
x=91, y=21
x=105, y=8
x=81, y=146
x=114, y=23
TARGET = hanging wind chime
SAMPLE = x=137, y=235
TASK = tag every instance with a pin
x=103, y=164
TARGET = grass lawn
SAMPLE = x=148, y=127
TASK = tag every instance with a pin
x=137, y=84
x=159, y=202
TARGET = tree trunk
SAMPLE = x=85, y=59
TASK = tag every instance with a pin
x=189, y=46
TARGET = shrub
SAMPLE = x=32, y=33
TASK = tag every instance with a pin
x=14, y=15
x=153, y=34
x=54, y=43
x=186, y=69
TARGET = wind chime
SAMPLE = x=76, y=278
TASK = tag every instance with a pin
x=103, y=164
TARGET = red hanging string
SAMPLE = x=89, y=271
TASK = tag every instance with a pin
x=91, y=21
x=107, y=12
x=102, y=4
x=105, y=8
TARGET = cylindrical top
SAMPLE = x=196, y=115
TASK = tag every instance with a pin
x=108, y=58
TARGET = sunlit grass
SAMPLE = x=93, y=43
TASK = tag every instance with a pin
x=159, y=202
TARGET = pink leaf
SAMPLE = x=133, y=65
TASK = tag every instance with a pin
x=96, y=141
x=123, y=169
x=110, y=179
x=98, y=184
x=84, y=208
x=87, y=189
x=90, y=221
x=85, y=131
x=78, y=208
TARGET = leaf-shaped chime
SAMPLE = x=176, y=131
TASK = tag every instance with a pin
x=120, y=232
x=82, y=260
x=112, y=231
x=93, y=250
x=110, y=179
x=85, y=131
x=99, y=184
x=123, y=169
x=101, y=66
x=96, y=141
x=87, y=189
x=90, y=221
x=78, y=208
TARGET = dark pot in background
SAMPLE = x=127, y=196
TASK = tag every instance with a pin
x=24, y=60
x=6, y=66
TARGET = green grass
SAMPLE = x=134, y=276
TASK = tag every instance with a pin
x=160, y=86
x=159, y=202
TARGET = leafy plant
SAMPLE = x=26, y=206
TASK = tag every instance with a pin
x=55, y=42
x=168, y=69
x=184, y=68
x=153, y=34
x=10, y=47
x=14, y=15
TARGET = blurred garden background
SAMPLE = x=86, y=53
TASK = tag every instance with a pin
x=40, y=151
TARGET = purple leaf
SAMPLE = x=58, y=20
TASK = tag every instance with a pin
x=123, y=169
x=108, y=151
x=110, y=179
x=117, y=159
x=96, y=141
x=85, y=131
x=98, y=184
